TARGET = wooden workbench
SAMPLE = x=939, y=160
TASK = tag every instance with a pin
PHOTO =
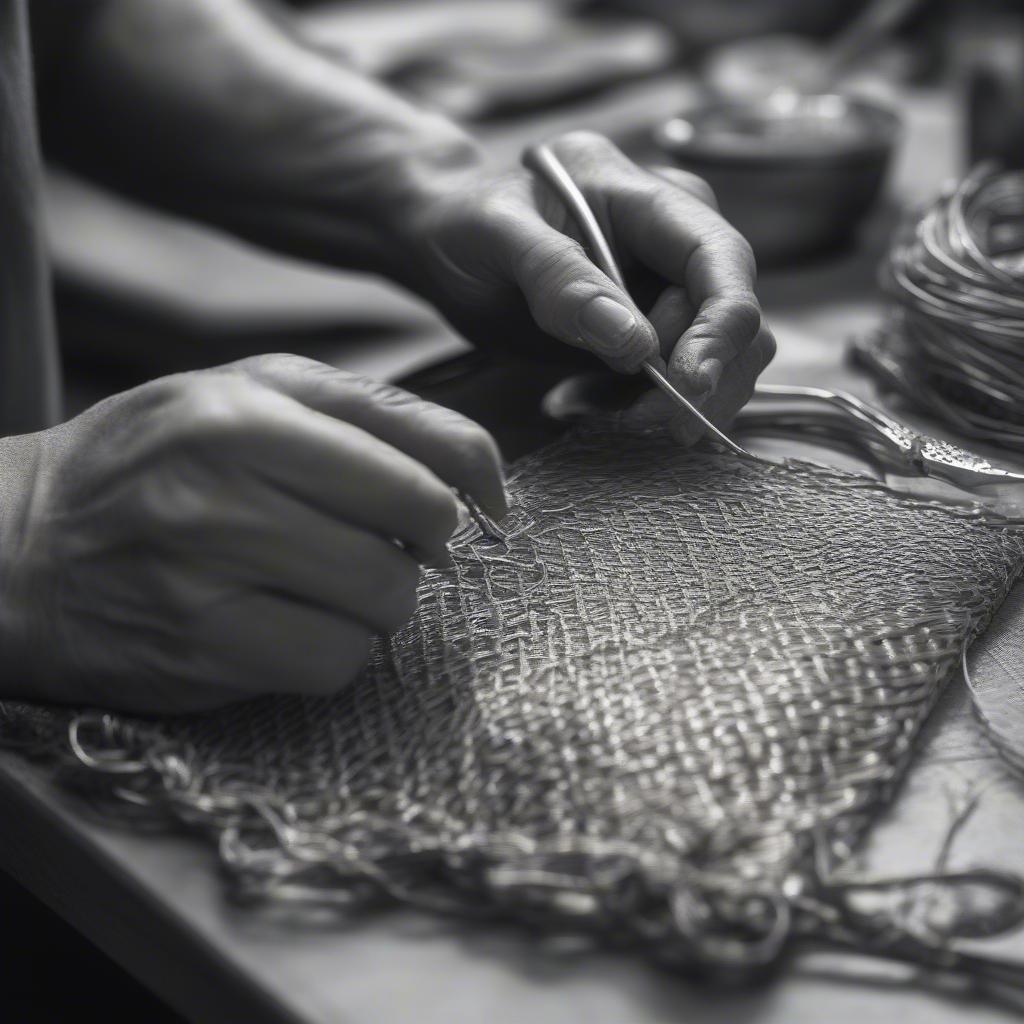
x=155, y=904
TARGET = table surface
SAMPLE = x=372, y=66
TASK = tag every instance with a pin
x=155, y=902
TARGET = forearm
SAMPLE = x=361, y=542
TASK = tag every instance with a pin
x=217, y=109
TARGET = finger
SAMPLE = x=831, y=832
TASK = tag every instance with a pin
x=733, y=393
x=655, y=408
x=251, y=434
x=568, y=296
x=276, y=543
x=337, y=567
x=735, y=390
x=458, y=450
x=670, y=316
x=688, y=182
x=684, y=240
x=155, y=692
x=267, y=643
x=691, y=245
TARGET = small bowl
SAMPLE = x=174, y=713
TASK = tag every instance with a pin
x=794, y=173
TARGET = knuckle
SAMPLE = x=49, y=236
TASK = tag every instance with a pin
x=385, y=395
x=697, y=186
x=169, y=508
x=212, y=409
x=284, y=371
x=269, y=363
x=548, y=259
x=582, y=140
x=501, y=202
x=692, y=180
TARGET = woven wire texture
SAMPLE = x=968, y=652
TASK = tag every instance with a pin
x=646, y=712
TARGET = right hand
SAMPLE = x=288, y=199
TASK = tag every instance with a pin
x=501, y=257
x=227, y=533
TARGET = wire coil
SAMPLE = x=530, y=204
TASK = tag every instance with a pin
x=954, y=343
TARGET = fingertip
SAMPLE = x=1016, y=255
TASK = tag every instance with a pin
x=648, y=349
x=707, y=376
x=441, y=561
x=620, y=336
x=495, y=501
x=744, y=317
x=490, y=490
x=477, y=467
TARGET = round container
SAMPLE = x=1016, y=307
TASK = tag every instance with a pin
x=794, y=173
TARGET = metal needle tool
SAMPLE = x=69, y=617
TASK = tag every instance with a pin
x=542, y=160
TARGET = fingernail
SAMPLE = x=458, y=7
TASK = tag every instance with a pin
x=607, y=325
x=709, y=373
x=498, y=508
x=494, y=502
x=491, y=500
x=443, y=560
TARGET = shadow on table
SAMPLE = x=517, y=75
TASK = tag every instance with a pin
x=49, y=972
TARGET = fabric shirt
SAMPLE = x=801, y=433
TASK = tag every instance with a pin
x=29, y=374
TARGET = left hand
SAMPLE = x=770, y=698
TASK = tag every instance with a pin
x=501, y=258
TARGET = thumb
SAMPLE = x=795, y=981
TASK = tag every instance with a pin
x=572, y=300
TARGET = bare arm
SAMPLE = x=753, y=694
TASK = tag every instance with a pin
x=221, y=110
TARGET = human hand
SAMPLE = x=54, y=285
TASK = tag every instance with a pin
x=501, y=258
x=328, y=165
x=221, y=534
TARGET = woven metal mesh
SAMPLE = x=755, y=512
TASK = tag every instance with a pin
x=647, y=712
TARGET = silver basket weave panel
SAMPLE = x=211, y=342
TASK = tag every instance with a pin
x=644, y=713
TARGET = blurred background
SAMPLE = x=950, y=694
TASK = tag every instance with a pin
x=820, y=123
x=141, y=293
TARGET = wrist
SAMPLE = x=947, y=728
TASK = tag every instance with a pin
x=409, y=188
x=355, y=200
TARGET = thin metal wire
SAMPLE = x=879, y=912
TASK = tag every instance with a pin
x=664, y=710
x=1008, y=743
x=542, y=160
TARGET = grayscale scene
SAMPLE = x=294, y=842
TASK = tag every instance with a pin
x=512, y=511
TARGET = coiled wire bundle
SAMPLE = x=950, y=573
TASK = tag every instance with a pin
x=954, y=343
